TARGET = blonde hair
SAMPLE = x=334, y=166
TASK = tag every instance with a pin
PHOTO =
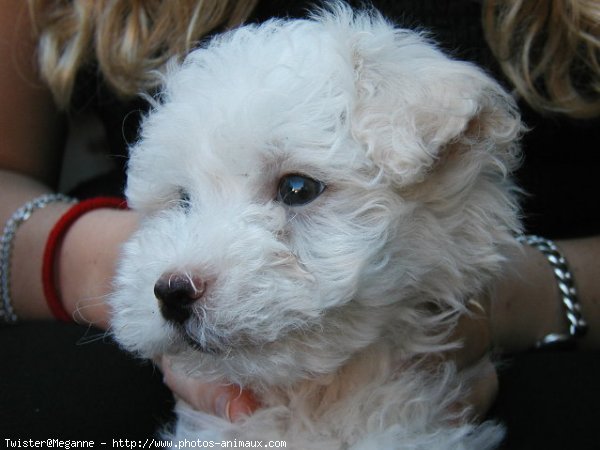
x=128, y=39
x=550, y=51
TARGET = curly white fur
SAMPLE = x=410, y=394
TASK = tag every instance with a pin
x=322, y=309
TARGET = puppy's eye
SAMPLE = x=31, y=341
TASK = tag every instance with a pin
x=184, y=200
x=295, y=189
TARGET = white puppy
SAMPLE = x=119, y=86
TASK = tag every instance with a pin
x=320, y=199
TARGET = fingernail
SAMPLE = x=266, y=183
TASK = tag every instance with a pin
x=240, y=409
x=243, y=405
x=223, y=405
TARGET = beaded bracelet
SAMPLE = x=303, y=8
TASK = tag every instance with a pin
x=7, y=313
x=55, y=238
x=577, y=325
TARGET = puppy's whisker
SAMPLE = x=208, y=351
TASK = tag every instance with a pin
x=88, y=339
x=90, y=303
x=292, y=218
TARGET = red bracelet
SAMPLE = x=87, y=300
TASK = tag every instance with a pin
x=55, y=238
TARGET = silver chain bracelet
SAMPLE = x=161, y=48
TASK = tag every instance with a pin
x=577, y=325
x=7, y=313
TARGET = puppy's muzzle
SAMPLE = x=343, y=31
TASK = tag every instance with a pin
x=177, y=294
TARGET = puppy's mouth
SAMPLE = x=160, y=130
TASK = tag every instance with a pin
x=201, y=347
x=185, y=334
x=204, y=340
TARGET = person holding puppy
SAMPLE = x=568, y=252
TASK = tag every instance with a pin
x=100, y=55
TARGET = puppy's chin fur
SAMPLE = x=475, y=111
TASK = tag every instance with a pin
x=324, y=309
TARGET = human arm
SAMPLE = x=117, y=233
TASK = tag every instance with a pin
x=32, y=136
x=31, y=140
x=527, y=303
x=526, y=306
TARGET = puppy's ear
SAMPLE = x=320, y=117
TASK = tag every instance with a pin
x=415, y=106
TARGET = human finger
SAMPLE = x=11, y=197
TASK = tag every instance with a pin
x=482, y=380
x=230, y=402
x=473, y=334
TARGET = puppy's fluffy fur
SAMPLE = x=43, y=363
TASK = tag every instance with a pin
x=323, y=309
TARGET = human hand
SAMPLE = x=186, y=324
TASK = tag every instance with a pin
x=470, y=341
x=474, y=332
x=87, y=262
x=227, y=401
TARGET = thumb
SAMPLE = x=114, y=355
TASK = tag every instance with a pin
x=228, y=401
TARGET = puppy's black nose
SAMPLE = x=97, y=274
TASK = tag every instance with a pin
x=177, y=293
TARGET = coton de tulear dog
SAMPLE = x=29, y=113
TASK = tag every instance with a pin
x=320, y=200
